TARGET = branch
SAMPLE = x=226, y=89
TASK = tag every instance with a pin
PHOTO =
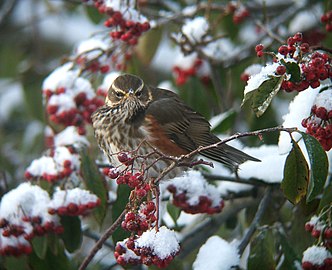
x=236, y=136
x=199, y=234
x=247, y=181
x=99, y=244
x=254, y=224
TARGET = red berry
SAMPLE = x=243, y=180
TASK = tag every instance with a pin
x=321, y=112
x=307, y=266
x=283, y=50
x=324, y=18
x=72, y=208
x=123, y=157
x=315, y=233
x=113, y=173
x=259, y=47
x=328, y=233
x=281, y=70
x=291, y=41
x=260, y=54
x=304, y=47
x=298, y=37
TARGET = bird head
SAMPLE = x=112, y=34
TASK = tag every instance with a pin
x=130, y=90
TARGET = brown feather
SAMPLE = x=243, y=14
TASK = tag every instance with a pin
x=189, y=129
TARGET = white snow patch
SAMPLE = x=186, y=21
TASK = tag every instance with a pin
x=256, y=80
x=195, y=29
x=316, y=255
x=163, y=243
x=216, y=254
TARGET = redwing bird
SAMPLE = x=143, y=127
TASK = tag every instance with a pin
x=134, y=112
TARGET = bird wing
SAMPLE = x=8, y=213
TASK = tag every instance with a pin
x=189, y=129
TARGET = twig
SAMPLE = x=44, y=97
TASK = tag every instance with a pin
x=236, y=136
x=247, y=181
x=254, y=224
x=199, y=234
x=99, y=244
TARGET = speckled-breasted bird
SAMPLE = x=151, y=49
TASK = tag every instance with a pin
x=134, y=112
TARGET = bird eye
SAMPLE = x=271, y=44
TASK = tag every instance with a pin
x=119, y=94
x=138, y=94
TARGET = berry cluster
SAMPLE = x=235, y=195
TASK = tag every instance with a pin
x=314, y=67
x=182, y=74
x=93, y=65
x=319, y=123
x=239, y=11
x=317, y=258
x=204, y=204
x=146, y=249
x=73, y=202
x=23, y=215
x=320, y=229
x=140, y=222
x=70, y=110
x=61, y=163
x=327, y=20
x=127, y=25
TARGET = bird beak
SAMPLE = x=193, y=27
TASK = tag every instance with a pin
x=130, y=93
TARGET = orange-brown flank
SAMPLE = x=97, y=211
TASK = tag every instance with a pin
x=161, y=141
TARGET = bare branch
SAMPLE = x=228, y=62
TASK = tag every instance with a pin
x=254, y=224
x=99, y=244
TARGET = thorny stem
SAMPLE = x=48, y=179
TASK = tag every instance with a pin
x=99, y=244
x=254, y=224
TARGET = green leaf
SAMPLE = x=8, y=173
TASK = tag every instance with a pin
x=95, y=183
x=290, y=258
x=93, y=14
x=39, y=245
x=262, y=252
x=173, y=211
x=72, y=236
x=51, y=262
x=14, y=263
x=148, y=45
x=318, y=166
x=296, y=175
x=326, y=198
x=119, y=205
x=224, y=121
x=294, y=70
x=262, y=96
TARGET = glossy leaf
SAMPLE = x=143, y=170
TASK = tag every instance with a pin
x=119, y=205
x=173, y=211
x=51, y=262
x=39, y=245
x=262, y=252
x=223, y=122
x=296, y=175
x=291, y=260
x=95, y=183
x=318, y=166
x=261, y=97
x=72, y=236
x=93, y=14
x=148, y=45
x=326, y=198
x=294, y=70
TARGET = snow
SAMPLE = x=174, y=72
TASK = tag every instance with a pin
x=25, y=200
x=220, y=49
x=53, y=21
x=195, y=185
x=253, y=69
x=256, y=80
x=127, y=8
x=70, y=136
x=64, y=102
x=195, y=29
x=305, y=20
x=59, y=77
x=41, y=165
x=299, y=109
x=216, y=254
x=77, y=195
x=185, y=62
x=11, y=98
x=316, y=255
x=324, y=99
x=92, y=47
x=162, y=243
